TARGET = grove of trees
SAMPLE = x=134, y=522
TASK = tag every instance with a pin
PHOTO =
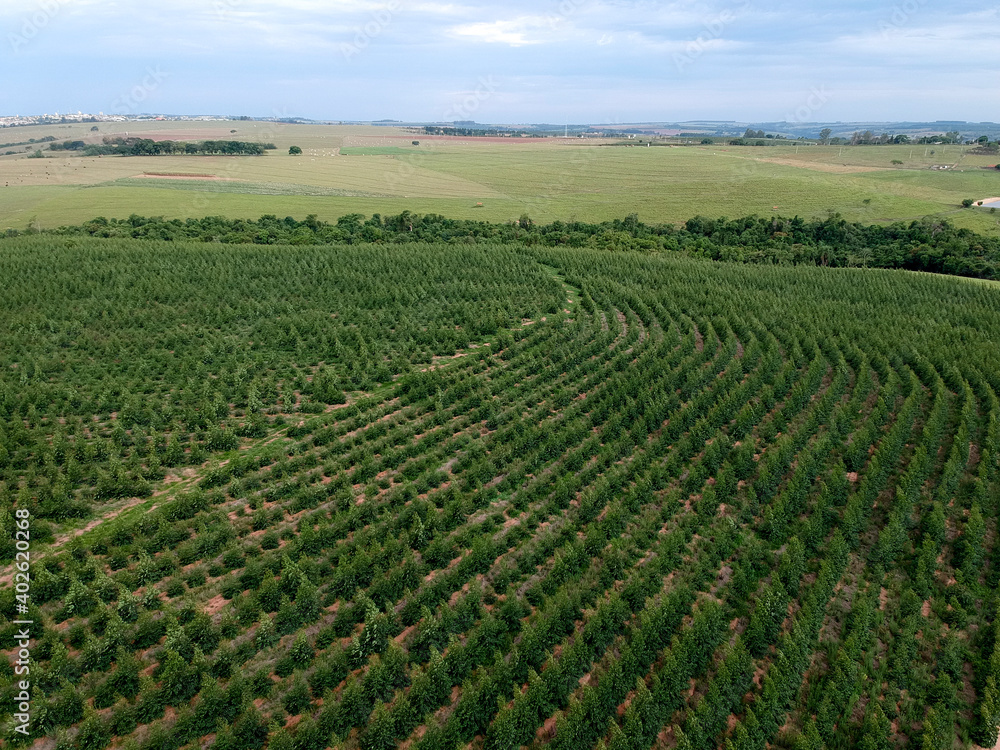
x=931, y=245
x=131, y=146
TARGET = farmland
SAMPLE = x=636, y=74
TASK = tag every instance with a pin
x=437, y=496
x=359, y=169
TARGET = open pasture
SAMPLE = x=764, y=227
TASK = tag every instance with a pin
x=347, y=169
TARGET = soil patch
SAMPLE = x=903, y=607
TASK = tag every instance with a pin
x=179, y=176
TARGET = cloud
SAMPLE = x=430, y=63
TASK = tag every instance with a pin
x=695, y=46
x=924, y=43
x=515, y=32
x=442, y=9
x=603, y=59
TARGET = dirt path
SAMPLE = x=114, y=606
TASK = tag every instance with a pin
x=109, y=515
x=179, y=176
x=699, y=341
x=623, y=322
x=60, y=541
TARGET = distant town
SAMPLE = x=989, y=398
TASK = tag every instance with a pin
x=57, y=118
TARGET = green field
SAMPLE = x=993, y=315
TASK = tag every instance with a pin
x=377, y=151
x=496, y=496
x=376, y=170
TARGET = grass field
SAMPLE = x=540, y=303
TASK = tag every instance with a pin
x=377, y=151
x=370, y=169
x=439, y=497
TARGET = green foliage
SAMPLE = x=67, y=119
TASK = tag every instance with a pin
x=301, y=652
x=770, y=607
x=935, y=246
x=576, y=513
x=266, y=634
x=297, y=698
x=132, y=146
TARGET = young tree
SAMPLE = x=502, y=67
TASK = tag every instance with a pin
x=174, y=677
x=307, y=601
x=766, y=619
x=988, y=714
x=298, y=698
x=380, y=733
x=792, y=565
x=876, y=731
x=266, y=635
x=301, y=652
x=94, y=734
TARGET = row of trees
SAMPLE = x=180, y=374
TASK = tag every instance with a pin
x=751, y=133
x=869, y=138
x=479, y=132
x=120, y=146
x=83, y=430
x=753, y=137
x=744, y=141
x=932, y=245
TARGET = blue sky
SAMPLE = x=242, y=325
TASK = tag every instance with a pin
x=607, y=61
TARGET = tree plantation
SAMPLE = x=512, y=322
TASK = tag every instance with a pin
x=499, y=494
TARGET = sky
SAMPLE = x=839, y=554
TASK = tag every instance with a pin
x=519, y=61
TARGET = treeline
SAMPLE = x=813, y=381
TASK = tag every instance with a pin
x=771, y=141
x=868, y=138
x=45, y=139
x=932, y=245
x=147, y=147
x=68, y=146
x=751, y=133
x=480, y=132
